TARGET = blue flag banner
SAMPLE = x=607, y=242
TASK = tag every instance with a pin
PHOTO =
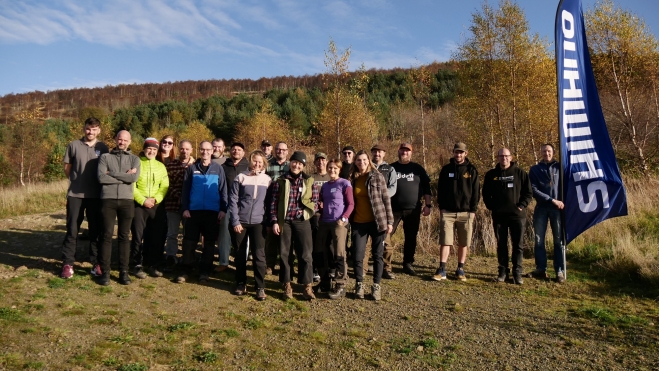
x=592, y=185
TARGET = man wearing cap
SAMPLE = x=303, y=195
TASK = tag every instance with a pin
x=507, y=192
x=218, y=151
x=320, y=177
x=80, y=167
x=458, y=193
x=233, y=166
x=277, y=167
x=294, y=202
x=413, y=184
x=348, y=154
x=266, y=147
x=117, y=171
x=378, y=153
x=150, y=215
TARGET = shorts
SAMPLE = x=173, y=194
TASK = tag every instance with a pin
x=463, y=222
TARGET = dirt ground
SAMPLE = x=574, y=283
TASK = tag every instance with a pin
x=592, y=322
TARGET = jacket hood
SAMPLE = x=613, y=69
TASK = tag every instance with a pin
x=116, y=151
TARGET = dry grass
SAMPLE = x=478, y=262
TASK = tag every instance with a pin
x=33, y=198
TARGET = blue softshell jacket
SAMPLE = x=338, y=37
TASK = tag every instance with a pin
x=204, y=190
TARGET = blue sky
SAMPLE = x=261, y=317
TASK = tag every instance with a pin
x=59, y=44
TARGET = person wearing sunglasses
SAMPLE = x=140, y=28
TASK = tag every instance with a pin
x=166, y=150
x=348, y=155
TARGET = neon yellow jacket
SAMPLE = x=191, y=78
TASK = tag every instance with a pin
x=153, y=181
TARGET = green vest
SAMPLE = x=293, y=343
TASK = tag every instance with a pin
x=284, y=194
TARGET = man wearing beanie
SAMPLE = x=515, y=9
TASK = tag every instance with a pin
x=150, y=215
x=294, y=201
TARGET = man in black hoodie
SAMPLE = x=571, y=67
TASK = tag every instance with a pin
x=507, y=192
x=458, y=193
x=233, y=166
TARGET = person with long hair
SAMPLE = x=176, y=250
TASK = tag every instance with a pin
x=337, y=199
x=247, y=212
x=166, y=150
x=372, y=217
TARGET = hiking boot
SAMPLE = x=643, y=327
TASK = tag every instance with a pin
x=155, y=272
x=460, y=274
x=221, y=268
x=288, y=291
x=203, y=277
x=96, y=271
x=408, y=269
x=503, y=274
x=67, y=271
x=268, y=271
x=308, y=292
x=440, y=274
x=359, y=290
x=104, y=279
x=316, y=276
x=517, y=278
x=338, y=292
x=322, y=288
x=538, y=275
x=182, y=278
x=124, y=278
x=560, y=277
x=241, y=289
x=388, y=275
x=139, y=272
x=170, y=264
x=260, y=294
x=376, y=293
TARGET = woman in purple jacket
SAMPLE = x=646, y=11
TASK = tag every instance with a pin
x=337, y=201
x=247, y=210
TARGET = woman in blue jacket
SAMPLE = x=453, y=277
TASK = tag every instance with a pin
x=247, y=210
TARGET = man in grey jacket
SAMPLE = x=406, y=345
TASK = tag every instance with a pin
x=117, y=171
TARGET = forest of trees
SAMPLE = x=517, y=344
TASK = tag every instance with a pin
x=498, y=90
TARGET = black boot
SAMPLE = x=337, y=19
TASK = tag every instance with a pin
x=503, y=274
x=124, y=278
x=104, y=279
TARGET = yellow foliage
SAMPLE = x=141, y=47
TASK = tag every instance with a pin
x=263, y=125
x=196, y=132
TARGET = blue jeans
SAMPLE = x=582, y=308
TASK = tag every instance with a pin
x=541, y=215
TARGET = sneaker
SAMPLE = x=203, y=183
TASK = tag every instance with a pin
x=460, y=274
x=124, y=278
x=517, y=278
x=440, y=274
x=560, y=277
x=139, y=272
x=104, y=279
x=67, y=271
x=316, y=276
x=376, y=293
x=241, y=289
x=503, y=274
x=538, y=274
x=203, y=277
x=182, y=278
x=308, y=292
x=96, y=271
x=338, y=292
x=288, y=291
x=408, y=269
x=323, y=287
x=260, y=294
x=170, y=264
x=359, y=290
x=268, y=271
x=388, y=275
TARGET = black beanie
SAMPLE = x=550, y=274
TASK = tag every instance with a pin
x=299, y=156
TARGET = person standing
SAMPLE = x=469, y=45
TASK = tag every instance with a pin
x=320, y=177
x=412, y=185
x=117, y=172
x=348, y=154
x=204, y=204
x=458, y=193
x=266, y=148
x=545, y=179
x=277, y=166
x=507, y=192
x=83, y=196
x=175, y=172
x=218, y=151
x=166, y=151
x=233, y=166
x=247, y=211
x=294, y=202
x=372, y=218
x=150, y=214
x=337, y=199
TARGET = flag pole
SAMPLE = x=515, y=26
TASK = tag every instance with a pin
x=560, y=143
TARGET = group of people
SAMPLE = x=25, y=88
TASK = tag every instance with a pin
x=270, y=206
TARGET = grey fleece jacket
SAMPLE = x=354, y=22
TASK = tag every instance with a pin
x=112, y=168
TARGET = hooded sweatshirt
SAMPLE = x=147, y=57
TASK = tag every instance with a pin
x=458, y=188
x=112, y=174
x=506, y=191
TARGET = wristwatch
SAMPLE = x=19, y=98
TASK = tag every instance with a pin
x=343, y=219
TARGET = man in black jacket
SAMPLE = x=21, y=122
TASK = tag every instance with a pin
x=507, y=192
x=458, y=193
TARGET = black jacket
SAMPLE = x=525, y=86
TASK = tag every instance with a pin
x=506, y=191
x=458, y=188
x=232, y=170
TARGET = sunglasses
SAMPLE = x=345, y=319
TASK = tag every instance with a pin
x=167, y=142
x=347, y=153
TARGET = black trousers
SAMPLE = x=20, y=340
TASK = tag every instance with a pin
x=148, y=245
x=299, y=232
x=502, y=225
x=122, y=211
x=360, y=234
x=256, y=235
x=75, y=212
x=204, y=223
x=411, y=221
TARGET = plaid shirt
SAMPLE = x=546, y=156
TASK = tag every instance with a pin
x=175, y=172
x=295, y=208
x=380, y=202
